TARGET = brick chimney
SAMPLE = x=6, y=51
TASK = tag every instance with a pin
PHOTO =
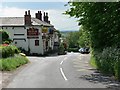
x=27, y=18
x=39, y=15
x=45, y=17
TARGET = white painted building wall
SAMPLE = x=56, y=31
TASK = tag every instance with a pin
x=25, y=42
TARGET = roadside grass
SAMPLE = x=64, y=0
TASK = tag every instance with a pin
x=11, y=63
x=93, y=62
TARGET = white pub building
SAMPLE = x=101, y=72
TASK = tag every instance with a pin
x=32, y=35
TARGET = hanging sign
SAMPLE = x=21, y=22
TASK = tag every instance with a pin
x=44, y=30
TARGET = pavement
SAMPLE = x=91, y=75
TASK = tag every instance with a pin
x=65, y=71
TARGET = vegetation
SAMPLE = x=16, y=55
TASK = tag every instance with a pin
x=72, y=39
x=84, y=38
x=100, y=22
x=11, y=63
x=77, y=39
x=7, y=51
x=5, y=37
x=11, y=58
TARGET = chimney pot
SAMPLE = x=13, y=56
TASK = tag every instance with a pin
x=46, y=14
x=25, y=12
x=28, y=12
x=49, y=22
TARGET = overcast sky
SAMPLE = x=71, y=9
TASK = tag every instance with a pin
x=55, y=10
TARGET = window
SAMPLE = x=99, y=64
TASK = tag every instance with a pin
x=19, y=34
x=36, y=42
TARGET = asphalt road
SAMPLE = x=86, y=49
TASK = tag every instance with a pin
x=65, y=71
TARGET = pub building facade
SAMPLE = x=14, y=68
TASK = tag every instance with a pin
x=32, y=35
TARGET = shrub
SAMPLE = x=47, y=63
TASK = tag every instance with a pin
x=4, y=35
x=108, y=61
x=117, y=70
x=8, y=51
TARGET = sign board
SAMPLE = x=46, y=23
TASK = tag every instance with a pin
x=44, y=30
x=32, y=33
x=51, y=30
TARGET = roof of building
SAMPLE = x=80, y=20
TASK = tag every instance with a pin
x=19, y=21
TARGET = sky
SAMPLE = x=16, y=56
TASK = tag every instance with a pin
x=55, y=10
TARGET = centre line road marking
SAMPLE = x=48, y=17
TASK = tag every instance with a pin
x=61, y=63
x=63, y=74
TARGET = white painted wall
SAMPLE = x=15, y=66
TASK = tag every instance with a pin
x=56, y=37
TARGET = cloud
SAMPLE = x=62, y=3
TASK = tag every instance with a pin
x=60, y=21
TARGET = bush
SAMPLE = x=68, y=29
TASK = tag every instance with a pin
x=11, y=63
x=8, y=51
x=4, y=35
x=108, y=61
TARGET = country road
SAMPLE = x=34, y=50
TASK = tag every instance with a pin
x=65, y=71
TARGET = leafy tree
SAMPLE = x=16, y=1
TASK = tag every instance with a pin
x=72, y=39
x=4, y=37
x=101, y=23
x=84, y=38
x=100, y=19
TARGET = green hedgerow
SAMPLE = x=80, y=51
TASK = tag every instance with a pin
x=8, y=51
x=108, y=61
x=11, y=63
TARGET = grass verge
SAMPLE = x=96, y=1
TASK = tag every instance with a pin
x=93, y=62
x=11, y=63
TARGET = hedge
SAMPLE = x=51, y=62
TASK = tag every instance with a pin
x=11, y=63
x=108, y=61
x=7, y=51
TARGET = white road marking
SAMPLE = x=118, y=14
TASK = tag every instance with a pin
x=63, y=74
x=61, y=63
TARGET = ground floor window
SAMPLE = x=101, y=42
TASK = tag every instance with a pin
x=36, y=42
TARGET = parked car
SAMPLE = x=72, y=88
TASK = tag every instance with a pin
x=84, y=50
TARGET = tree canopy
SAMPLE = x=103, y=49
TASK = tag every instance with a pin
x=101, y=20
x=101, y=23
x=4, y=37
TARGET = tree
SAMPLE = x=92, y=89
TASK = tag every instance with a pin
x=100, y=19
x=84, y=38
x=4, y=36
x=101, y=22
x=72, y=39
